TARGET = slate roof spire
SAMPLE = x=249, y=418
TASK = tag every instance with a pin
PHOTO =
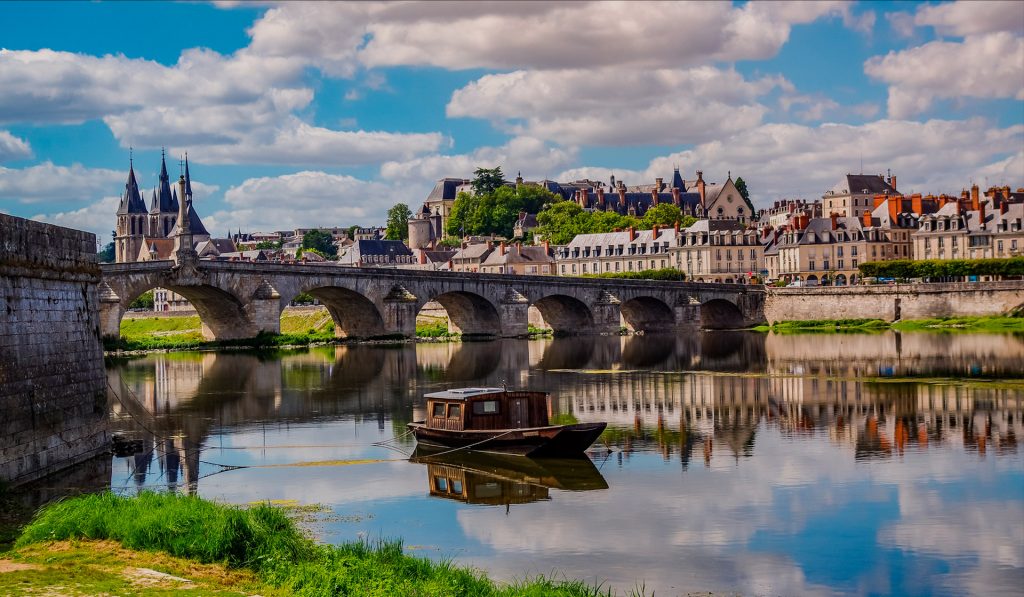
x=165, y=201
x=677, y=180
x=131, y=201
x=188, y=180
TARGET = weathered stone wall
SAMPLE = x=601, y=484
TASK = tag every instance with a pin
x=52, y=381
x=893, y=301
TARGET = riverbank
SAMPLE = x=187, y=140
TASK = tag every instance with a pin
x=103, y=543
x=1013, y=323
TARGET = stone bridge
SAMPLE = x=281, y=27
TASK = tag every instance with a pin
x=239, y=300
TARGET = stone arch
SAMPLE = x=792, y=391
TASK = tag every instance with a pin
x=720, y=314
x=222, y=315
x=811, y=279
x=354, y=315
x=840, y=280
x=646, y=314
x=469, y=313
x=564, y=314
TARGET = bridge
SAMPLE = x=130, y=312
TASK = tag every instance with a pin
x=241, y=299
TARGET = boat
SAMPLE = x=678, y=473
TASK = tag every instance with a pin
x=495, y=479
x=499, y=420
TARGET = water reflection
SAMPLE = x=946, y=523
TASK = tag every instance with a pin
x=502, y=480
x=739, y=462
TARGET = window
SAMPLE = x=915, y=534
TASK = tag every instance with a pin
x=853, y=251
x=563, y=268
x=438, y=409
x=441, y=483
x=854, y=264
x=485, y=407
x=810, y=265
x=454, y=411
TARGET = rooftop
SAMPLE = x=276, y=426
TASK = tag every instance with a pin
x=463, y=393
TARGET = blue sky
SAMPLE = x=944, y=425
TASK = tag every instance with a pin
x=329, y=113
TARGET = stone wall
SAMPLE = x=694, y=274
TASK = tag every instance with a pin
x=893, y=301
x=52, y=381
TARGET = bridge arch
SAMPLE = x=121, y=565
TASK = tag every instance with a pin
x=222, y=315
x=720, y=314
x=645, y=314
x=469, y=313
x=354, y=315
x=564, y=314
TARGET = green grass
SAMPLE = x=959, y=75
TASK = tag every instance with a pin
x=437, y=328
x=1013, y=323
x=263, y=539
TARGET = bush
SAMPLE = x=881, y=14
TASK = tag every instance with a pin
x=943, y=268
x=666, y=274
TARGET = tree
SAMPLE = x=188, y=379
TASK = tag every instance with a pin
x=398, y=222
x=271, y=245
x=741, y=186
x=143, y=301
x=663, y=214
x=486, y=180
x=320, y=240
x=495, y=212
x=107, y=255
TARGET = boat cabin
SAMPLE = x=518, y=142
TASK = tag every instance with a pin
x=486, y=409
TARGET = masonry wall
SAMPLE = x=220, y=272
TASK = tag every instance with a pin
x=52, y=381
x=895, y=301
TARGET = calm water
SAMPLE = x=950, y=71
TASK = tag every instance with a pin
x=734, y=462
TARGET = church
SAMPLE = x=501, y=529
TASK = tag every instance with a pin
x=147, y=234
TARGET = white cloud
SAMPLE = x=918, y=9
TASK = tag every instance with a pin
x=970, y=18
x=604, y=107
x=527, y=154
x=984, y=66
x=97, y=218
x=303, y=199
x=792, y=160
x=13, y=148
x=47, y=182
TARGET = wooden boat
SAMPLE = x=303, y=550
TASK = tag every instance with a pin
x=496, y=479
x=497, y=420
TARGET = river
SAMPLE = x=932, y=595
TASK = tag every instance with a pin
x=734, y=462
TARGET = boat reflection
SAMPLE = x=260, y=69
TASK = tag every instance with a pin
x=502, y=480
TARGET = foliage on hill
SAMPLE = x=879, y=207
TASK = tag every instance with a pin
x=144, y=301
x=398, y=222
x=320, y=240
x=495, y=212
x=942, y=268
x=561, y=222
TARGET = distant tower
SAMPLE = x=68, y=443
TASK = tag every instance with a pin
x=131, y=220
x=163, y=209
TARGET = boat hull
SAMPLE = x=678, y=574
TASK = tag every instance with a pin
x=549, y=441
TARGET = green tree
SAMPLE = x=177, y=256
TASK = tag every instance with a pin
x=741, y=186
x=486, y=180
x=144, y=301
x=663, y=214
x=398, y=222
x=320, y=240
x=271, y=245
x=352, y=231
x=108, y=254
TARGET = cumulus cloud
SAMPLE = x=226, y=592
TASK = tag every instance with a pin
x=97, y=217
x=13, y=148
x=604, y=107
x=984, y=66
x=48, y=182
x=793, y=160
x=970, y=18
x=527, y=154
x=304, y=199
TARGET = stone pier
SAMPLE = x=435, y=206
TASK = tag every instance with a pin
x=53, y=399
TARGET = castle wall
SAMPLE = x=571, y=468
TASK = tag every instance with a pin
x=53, y=399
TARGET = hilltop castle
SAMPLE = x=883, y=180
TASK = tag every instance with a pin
x=144, y=234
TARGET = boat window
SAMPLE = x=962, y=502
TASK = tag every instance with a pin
x=441, y=483
x=454, y=411
x=456, y=486
x=485, y=407
x=438, y=409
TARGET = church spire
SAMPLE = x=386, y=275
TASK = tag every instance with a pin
x=188, y=180
x=131, y=201
x=165, y=201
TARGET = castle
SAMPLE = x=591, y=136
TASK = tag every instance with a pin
x=146, y=234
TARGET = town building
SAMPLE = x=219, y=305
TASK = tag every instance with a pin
x=471, y=256
x=519, y=260
x=989, y=227
x=854, y=194
x=376, y=253
x=627, y=251
x=782, y=211
x=723, y=251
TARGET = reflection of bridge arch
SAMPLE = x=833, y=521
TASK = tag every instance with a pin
x=648, y=314
x=565, y=314
x=353, y=313
x=720, y=314
x=469, y=313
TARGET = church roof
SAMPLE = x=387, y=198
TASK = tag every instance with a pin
x=677, y=181
x=131, y=201
x=855, y=184
x=164, y=201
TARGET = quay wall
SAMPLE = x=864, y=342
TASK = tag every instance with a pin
x=53, y=399
x=893, y=301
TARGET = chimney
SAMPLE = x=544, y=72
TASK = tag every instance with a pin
x=547, y=248
x=622, y=195
x=1002, y=208
x=654, y=196
x=490, y=245
x=658, y=184
x=981, y=215
x=423, y=257
x=654, y=232
x=612, y=185
x=802, y=221
x=600, y=197
x=975, y=204
x=700, y=188
x=632, y=234
x=915, y=204
x=503, y=247
x=584, y=197
x=835, y=220
x=675, y=196
x=519, y=248
x=676, y=226
x=867, y=219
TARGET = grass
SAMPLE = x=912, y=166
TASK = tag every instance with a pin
x=939, y=324
x=260, y=540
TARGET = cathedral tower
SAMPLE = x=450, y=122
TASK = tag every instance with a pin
x=132, y=224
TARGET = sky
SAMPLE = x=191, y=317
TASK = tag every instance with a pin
x=299, y=115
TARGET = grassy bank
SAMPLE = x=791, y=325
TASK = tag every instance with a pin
x=939, y=324
x=259, y=549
